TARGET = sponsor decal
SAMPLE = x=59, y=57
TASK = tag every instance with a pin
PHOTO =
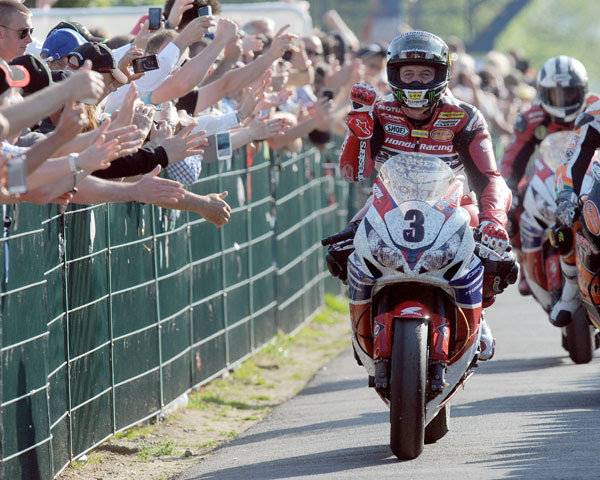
x=436, y=148
x=379, y=327
x=399, y=143
x=446, y=123
x=415, y=95
x=540, y=132
x=476, y=123
x=442, y=134
x=562, y=78
x=486, y=145
x=389, y=108
x=419, y=133
x=452, y=115
x=411, y=311
x=592, y=218
x=394, y=129
x=361, y=159
x=363, y=126
x=377, y=191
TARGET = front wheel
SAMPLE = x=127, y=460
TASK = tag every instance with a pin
x=580, y=338
x=408, y=388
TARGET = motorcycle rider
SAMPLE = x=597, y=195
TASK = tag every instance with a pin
x=562, y=85
x=568, y=181
x=423, y=116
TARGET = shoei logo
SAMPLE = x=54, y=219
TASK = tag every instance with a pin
x=442, y=135
x=452, y=115
x=396, y=129
x=562, y=78
x=592, y=219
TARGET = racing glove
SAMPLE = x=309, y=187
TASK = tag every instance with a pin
x=493, y=236
x=566, y=208
x=356, y=163
x=360, y=119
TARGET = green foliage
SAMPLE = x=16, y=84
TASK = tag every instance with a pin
x=569, y=28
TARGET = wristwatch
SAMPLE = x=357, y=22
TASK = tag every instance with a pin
x=74, y=163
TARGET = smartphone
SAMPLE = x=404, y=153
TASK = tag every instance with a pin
x=145, y=64
x=16, y=175
x=154, y=18
x=205, y=11
x=223, y=146
x=328, y=94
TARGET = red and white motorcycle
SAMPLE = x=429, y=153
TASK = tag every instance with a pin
x=415, y=288
x=539, y=259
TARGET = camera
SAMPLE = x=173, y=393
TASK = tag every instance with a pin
x=205, y=11
x=327, y=93
x=287, y=56
x=145, y=64
x=223, y=145
x=154, y=18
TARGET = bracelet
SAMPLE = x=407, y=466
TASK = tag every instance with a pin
x=74, y=163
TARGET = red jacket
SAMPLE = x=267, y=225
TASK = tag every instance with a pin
x=456, y=132
x=530, y=128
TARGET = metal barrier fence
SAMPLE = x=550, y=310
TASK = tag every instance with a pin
x=112, y=311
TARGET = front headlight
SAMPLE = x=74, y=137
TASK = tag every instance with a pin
x=439, y=258
x=384, y=254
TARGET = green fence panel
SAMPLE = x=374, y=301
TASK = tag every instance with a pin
x=111, y=312
x=25, y=415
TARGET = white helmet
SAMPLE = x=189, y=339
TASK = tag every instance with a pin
x=562, y=84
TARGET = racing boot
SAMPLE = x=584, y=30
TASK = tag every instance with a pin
x=562, y=313
x=487, y=343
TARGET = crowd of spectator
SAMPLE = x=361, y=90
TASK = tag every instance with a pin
x=84, y=127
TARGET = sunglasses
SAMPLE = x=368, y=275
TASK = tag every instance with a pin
x=24, y=31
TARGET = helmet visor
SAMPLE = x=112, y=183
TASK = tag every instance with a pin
x=564, y=96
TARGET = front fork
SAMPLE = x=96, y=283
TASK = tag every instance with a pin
x=439, y=344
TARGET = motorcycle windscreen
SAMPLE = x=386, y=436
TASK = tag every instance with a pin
x=416, y=176
x=554, y=147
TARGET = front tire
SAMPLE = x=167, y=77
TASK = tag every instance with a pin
x=580, y=338
x=408, y=388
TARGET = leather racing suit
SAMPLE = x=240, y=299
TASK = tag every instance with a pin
x=456, y=132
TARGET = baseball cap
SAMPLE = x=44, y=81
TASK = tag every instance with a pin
x=80, y=29
x=101, y=57
x=60, y=43
x=39, y=73
x=12, y=76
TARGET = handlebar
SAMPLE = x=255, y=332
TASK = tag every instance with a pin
x=338, y=237
x=346, y=234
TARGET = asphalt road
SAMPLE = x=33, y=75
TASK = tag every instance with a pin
x=528, y=413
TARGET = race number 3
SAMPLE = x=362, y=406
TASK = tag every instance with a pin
x=416, y=232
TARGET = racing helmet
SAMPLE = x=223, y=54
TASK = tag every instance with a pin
x=418, y=48
x=562, y=85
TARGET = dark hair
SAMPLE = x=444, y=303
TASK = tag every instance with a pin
x=158, y=39
x=119, y=40
x=192, y=13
